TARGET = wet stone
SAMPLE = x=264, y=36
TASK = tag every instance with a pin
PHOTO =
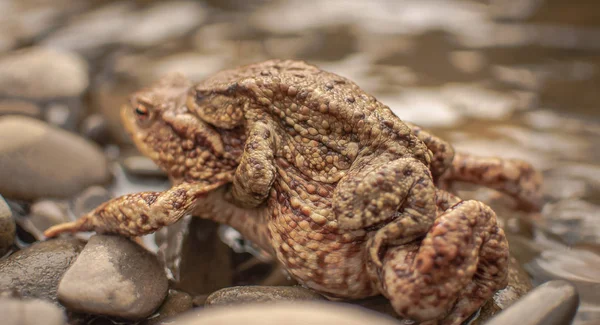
x=33, y=156
x=251, y=294
x=30, y=312
x=199, y=261
x=34, y=72
x=36, y=270
x=577, y=266
x=7, y=227
x=176, y=303
x=293, y=313
x=552, y=303
x=113, y=276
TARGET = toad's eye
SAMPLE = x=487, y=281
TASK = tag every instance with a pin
x=142, y=112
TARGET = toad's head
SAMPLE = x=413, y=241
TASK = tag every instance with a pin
x=165, y=129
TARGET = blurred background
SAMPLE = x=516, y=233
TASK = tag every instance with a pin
x=512, y=78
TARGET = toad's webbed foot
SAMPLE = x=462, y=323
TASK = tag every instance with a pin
x=459, y=264
x=139, y=213
x=514, y=177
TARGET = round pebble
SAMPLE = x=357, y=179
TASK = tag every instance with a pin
x=36, y=270
x=38, y=160
x=251, y=294
x=95, y=127
x=30, y=312
x=114, y=276
x=292, y=313
x=42, y=73
x=43, y=215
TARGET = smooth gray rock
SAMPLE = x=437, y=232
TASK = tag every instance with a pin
x=30, y=312
x=43, y=73
x=95, y=128
x=7, y=227
x=291, y=313
x=44, y=214
x=89, y=199
x=114, y=276
x=252, y=294
x=38, y=160
x=36, y=270
x=552, y=303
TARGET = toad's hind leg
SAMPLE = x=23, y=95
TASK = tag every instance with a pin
x=514, y=177
x=381, y=189
x=255, y=174
x=443, y=152
x=461, y=262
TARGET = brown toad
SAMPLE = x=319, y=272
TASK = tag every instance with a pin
x=326, y=178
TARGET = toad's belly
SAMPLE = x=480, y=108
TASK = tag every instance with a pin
x=319, y=257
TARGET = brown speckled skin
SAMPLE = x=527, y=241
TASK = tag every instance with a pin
x=326, y=178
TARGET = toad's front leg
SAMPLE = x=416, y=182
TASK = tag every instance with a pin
x=139, y=213
x=461, y=262
x=256, y=171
